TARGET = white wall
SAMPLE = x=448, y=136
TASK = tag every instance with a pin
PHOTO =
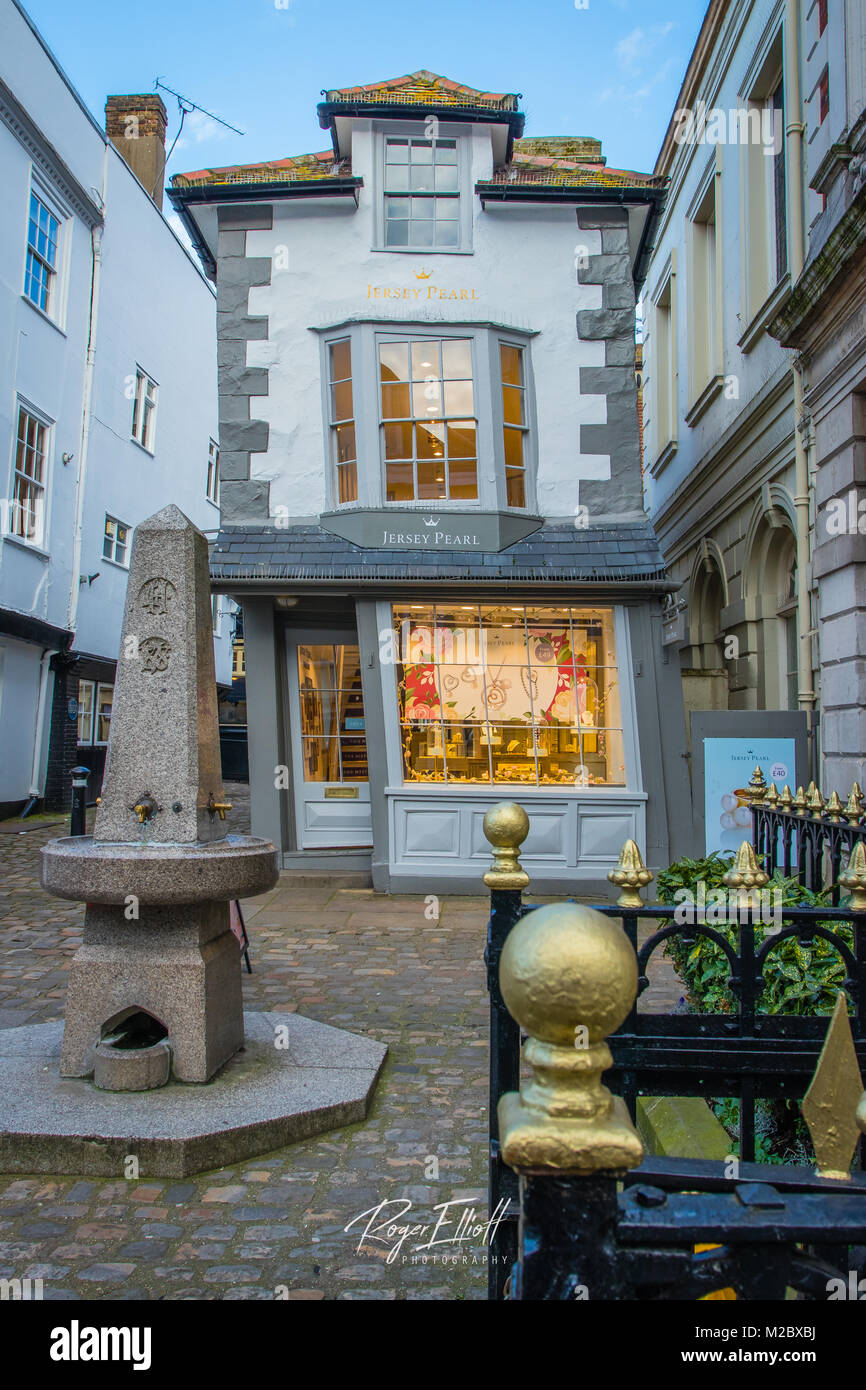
x=524, y=276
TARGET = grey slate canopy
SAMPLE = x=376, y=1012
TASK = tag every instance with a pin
x=554, y=554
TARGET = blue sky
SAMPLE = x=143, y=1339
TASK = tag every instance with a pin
x=611, y=69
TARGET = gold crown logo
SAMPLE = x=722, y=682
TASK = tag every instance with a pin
x=423, y=274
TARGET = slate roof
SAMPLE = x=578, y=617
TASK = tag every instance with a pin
x=564, y=554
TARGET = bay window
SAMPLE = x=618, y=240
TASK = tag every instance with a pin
x=415, y=416
x=342, y=420
x=429, y=430
x=513, y=423
x=512, y=694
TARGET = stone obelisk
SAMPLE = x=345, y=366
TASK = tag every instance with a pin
x=159, y=871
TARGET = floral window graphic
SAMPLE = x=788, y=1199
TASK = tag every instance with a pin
x=509, y=695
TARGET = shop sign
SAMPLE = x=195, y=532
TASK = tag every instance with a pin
x=433, y=531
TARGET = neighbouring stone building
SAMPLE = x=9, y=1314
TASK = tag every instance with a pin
x=759, y=251
x=720, y=444
x=108, y=409
x=824, y=318
x=431, y=489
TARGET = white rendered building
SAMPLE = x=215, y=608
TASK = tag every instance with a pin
x=108, y=407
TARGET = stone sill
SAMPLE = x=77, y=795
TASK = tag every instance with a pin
x=768, y=310
x=663, y=458
x=705, y=399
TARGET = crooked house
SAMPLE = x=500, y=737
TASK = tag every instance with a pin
x=432, y=505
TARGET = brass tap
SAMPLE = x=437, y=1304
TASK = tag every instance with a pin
x=219, y=808
x=145, y=808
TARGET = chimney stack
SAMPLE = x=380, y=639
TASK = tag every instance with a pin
x=135, y=125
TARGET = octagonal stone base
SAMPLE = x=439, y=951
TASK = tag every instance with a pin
x=294, y=1078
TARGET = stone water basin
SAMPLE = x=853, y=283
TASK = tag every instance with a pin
x=238, y=866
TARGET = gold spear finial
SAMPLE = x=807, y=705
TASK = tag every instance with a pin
x=569, y=977
x=854, y=809
x=746, y=877
x=630, y=874
x=786, y=799
x=506, y=826
x=817, y=804
x=798, y=805
x=833, y=1102
x=835, y=809
x=757, y=787
x=854, y=877
x=772, y=796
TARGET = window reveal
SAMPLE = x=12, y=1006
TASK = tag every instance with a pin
x=429, y=429
x=509, y=695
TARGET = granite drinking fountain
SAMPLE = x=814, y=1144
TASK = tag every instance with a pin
x=156, y=1058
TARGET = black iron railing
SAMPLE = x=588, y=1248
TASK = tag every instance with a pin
x=812, y=845
x=747, y=1054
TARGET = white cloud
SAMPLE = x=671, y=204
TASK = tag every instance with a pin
x=628, y=50
x=635, y=48
x=632, y=98
x=199, y=128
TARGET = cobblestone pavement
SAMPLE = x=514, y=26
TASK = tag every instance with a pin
x=275, y=1225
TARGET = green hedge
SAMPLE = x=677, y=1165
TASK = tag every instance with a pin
x=798, y=979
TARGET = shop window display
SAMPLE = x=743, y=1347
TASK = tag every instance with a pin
x=509, y=695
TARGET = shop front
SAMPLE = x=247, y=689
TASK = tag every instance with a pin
x=402, y=717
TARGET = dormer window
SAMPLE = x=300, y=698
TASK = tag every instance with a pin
x=422, y=198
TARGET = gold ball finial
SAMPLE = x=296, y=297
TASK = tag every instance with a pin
x=854, y=877
x=566, y=966
x=569, y=977
x=630, y=874
x=506, y=826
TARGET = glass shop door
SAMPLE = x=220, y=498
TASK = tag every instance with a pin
x=329, y=745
